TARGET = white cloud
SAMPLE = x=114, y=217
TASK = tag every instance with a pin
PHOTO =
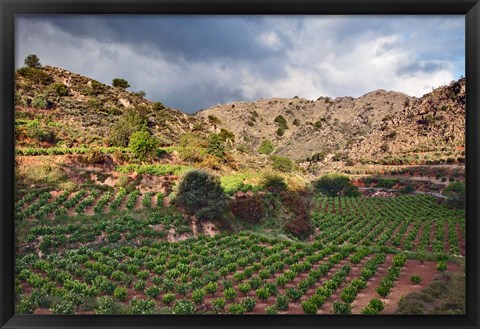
x=270, y=40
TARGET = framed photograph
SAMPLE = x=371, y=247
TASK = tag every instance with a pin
x=239, y=164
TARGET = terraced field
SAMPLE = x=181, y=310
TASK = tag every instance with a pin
x=360, y=260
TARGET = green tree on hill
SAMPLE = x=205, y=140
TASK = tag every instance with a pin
x=143, y=144
x=131, y=121
x=32, y=61
x=120, y=83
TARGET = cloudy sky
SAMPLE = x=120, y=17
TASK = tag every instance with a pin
x=194, y=62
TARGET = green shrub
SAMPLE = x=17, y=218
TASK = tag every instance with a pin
x=333, y=185
x=152, y=292
x=244, y=288
x=35, y=75
x=280, y=131
x=200, y=193
x=262, y=293
x=120, y=83
x=59, y=88
x=282, y=164
x=132, y=120
x=271, y=309
x=64, y=307
x=236, y=309
x=455, y=194
x=183, y=307
x=211, y=288
x=40, y=102
x=105, y=305
x=274, y=183
x=249, y=303
x=142, y=144
x=341, y=308
x=309, y=307
x=282, y=122
x=120, y=293
x=198, y=295
x=230, y=293
x=266, y=147
x=219, y=304
x=32, y=60
x=142, y=306
x=416, y=279
x=282, y=302
x=442, y=266
x=216, y=146
x=168, y=298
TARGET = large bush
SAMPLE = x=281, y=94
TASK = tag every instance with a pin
x=131, y=121
x=120, y=83
x=455, y=194
x=274, y=183
x=143, y=144
x=266, y=147
x=300, y=204
x=282, y=164
x=32, y=61
x=200, y=194
x=248, y=208
x=335, y=185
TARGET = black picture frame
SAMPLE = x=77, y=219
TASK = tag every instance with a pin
x=10, y=8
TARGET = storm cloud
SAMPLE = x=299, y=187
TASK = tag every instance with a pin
x=194, y=62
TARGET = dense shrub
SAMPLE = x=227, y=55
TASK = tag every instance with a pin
x=35, y=75
x=32, y=60
x=120, y=83
x=200, y=194
x=59, y=88
x=216, y=145
x=282, y=164
x=142, y=306
x=143, y=145
x=335, y=185
x=131, y=121
x=300, y=226
x=300, y=203
x=281, y=121
x=455, y=194
x=248, y=208
x=274, y=183
x=266, y=147
x=105, y=305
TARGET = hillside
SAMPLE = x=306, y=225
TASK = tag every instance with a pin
x=56, y=107
x=378, y=125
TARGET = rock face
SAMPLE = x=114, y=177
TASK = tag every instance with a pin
x=376, y=125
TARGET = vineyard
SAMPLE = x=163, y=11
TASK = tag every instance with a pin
x=150, y=261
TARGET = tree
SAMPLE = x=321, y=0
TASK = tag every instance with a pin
x=201, y=194
x=216, y=145
x=335, y=185
x=131, y=121
x=120, y=83
x=32, y=61
x=143, y=144
x=455, y=194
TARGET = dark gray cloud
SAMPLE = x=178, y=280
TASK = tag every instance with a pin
x=194, y=62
